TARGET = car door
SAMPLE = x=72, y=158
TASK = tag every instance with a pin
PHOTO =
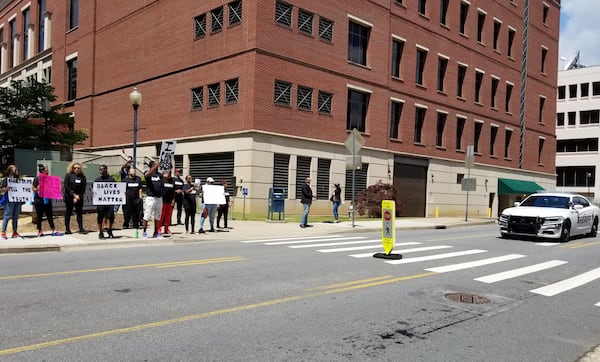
x=585, y=216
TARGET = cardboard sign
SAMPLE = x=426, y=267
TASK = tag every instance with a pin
x=213, y=194
x=167, y=152
x=49, y=187
x=20, y=190
x=109, y=193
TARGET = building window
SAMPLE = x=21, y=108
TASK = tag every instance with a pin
x=26, y=21
x=462, y=72
x=304, y=98
x=561, y=92
x=545, y=13
x=589, y=117
x=441, y=125
x=214, y=94
x=507, y=137
x=422, y=7
x=281, y=170
x=323, y=182
x=216, y=20
x=477, y=136
x=235, y=12
x=231, y=91
x=572, y=91
x=283, y=14
x=421, y=61
x=460, y=127
x=1, y=41
x=442, y=66
x=305, y=22
x=576, y=176
x=197, y=99
x=360, y=181
x=509, y=88
x=41, y=27
x=544, y=56
x=324, y=102
x=493, y=136
x=397, y=49
x=596, y=89
x=480, y=25
x=478, y=84
x=577, y=145
x=571, y=118
x=358, y=40
x=12, y=26
x=395, y=114
x=326, y=30
x=200, y=26
x=495, y=83
x=358, y=103
x=73, y=14
x=541, y=109
x=464, y=11
x=302, y=172
x=444, y=11
x=541, y=142
x=585, y=89
x=283, y=93
x=497, y=27
x=72, y=79
x=419, y=123
x=560, y=119
x=511, y=40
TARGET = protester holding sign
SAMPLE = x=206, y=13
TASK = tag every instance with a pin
x=133, y=197
x=168, y=201
x=154, y=192
x=74, y=188
x=11, y=208
x=106, y=213
x=43, y=205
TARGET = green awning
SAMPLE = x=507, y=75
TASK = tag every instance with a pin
x=509, y=186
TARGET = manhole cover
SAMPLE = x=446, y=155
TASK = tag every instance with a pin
x=466, y=298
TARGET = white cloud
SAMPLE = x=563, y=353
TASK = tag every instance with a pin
x=579, y=31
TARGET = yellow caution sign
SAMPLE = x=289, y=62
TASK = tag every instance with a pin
x=388, y=231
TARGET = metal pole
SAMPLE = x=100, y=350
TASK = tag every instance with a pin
x=467, y=205
x=135, y=108
x=353, y=177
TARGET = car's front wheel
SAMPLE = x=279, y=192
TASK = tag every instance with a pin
x=565, y=232
x=594, y=230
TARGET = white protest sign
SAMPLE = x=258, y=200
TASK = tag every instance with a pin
x=20, y=190
x=167, y=151
x=213, y=194
x=109, y=193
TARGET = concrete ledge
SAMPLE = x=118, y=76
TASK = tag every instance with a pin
x=29, y=249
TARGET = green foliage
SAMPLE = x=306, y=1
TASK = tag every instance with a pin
x=368, y=202
x=24, y=124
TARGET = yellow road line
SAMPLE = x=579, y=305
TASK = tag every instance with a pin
x=354, y=282
x=581, y=245
x=571, y=244
x=349, y=287
x=156, y=265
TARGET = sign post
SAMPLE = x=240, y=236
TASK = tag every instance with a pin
x=469, y=162
x=354, y=143
x=388, y=230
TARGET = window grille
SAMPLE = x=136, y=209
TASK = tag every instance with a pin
x=326, y=30
x=216, y=20
x=214, y=95
x=200, y=26
x=305, y=22
x=231, y=91
x=197, y=99
x=304, y=100
x=235, y=12
x=283, y=93
x=283, y=14
x=324, y=102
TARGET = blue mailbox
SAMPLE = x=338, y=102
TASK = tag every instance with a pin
x=277, y=202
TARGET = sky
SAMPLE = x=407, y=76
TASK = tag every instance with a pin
x=580, y=30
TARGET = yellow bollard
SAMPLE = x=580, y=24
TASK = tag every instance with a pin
x=436, y=211
x=489, y=212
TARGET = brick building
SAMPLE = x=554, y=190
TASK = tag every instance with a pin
x=265, y=92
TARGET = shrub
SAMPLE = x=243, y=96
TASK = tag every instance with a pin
x=368, y=202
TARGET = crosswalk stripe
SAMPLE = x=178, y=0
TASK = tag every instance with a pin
x=547, y=244
x=364, y=247
x=290, y=238
x=492, y=278
x=597, y=304
x=436, y=256
x=476, y=263
x=334, y=244
x=405, y=251
x=568, y=284
x=314, y=240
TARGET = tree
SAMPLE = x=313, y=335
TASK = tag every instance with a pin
x=369, y=201
x=25, y=124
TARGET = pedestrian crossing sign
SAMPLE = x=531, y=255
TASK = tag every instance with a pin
x=388, y=218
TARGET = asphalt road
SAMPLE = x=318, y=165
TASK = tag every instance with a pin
x=306, y=299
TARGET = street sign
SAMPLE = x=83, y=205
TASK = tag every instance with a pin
x=469, y=184
x=354, y=142
x=245, y=191
x=470, y=156
x=388, y=218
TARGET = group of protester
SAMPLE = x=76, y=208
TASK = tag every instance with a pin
x=164, y=193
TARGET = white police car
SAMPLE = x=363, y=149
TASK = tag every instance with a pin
x=550, y=215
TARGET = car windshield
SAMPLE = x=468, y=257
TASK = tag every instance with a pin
x=560, y=202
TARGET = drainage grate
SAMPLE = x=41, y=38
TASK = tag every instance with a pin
x=467, y=298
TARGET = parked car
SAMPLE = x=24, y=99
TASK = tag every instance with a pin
x=550, y=215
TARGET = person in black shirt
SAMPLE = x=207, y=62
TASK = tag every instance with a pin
x=133, y=199
x=168, y=201
x=154, y=192
x=189, y=203
x=178, y=182
x=73, y=189
x=43, y=205
x=223, y=210
x=106, y=213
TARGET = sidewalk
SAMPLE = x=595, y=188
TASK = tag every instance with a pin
x=239, y=230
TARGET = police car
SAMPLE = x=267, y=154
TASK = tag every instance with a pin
x=550, y=215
